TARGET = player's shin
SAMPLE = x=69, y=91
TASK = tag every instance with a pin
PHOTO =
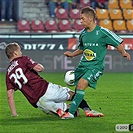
x=76, y=101
x=83, y=105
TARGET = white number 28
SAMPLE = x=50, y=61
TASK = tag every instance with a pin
x=19, y=75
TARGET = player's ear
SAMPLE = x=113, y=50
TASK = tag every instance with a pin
x=15, y=53
x=90, y=18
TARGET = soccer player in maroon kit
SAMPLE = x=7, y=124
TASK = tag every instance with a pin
x=22, y=75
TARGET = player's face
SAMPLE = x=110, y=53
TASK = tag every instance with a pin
x=85, y=20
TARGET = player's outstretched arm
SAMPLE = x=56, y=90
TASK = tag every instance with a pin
x=10, y=95
x=123, y=52
x=72, y=54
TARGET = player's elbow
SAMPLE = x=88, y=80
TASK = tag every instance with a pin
x=39, y=68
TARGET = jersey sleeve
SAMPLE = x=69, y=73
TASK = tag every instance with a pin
x=80, y=44
x=111, y=38
x=9, y=84
x=30, y=63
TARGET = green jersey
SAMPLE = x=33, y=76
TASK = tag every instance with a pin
x=94, y=45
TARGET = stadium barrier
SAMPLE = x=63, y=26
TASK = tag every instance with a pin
x=48, y=49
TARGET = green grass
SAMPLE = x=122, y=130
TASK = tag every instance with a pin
x=113, y=97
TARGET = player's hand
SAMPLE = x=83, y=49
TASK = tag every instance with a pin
x=14, y=115
x=68, y=54
x=127, y=55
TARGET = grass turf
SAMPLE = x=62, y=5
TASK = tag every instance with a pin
x=113, y=97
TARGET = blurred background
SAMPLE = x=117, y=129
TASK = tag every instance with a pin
x=45, y=29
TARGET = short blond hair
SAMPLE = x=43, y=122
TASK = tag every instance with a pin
x=10, y=48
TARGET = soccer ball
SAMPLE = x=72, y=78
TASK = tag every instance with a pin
x=69, y=78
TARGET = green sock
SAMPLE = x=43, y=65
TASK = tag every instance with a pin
x=76, y=101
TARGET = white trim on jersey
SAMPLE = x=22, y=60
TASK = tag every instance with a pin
x=112, y=34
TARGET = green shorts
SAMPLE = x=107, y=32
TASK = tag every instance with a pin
x=91, y=76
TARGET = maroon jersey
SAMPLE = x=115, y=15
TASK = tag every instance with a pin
x=20, y=75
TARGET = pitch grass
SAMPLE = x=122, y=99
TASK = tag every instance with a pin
x=113, y=97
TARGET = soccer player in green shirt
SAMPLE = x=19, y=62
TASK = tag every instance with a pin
x=93, y=43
